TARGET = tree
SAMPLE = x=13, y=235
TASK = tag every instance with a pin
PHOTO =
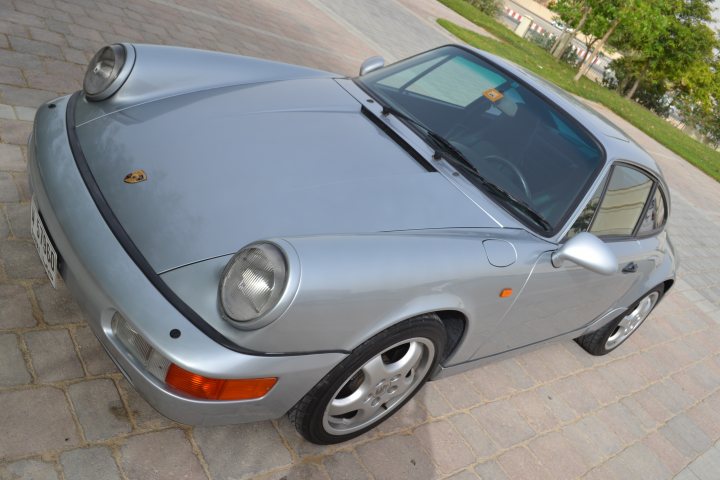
x=573, y=13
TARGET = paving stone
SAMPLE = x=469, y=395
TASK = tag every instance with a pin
x=13, y=370
x=344, y=466
x=34, y=421
x=410, y=415
x=10, y=75
x=57, y=304
x=503, y=423
x=28, y=469
x=96, y=360
x=670, y=457
x=479, y=440
x=95, y=463
x=444, y=446
x=15, y=310
x=458, y=391
x=53, y=355
x=566, y=389
x=433, y=401
x=398, y=456
x=541, y=410
x=584, y=443
x=639, y=462
x=490, y=471
x=304, y=448
x=621, y=421
x=302, y=471
x=99, y=409
x=559, y=456
x=34, y=47
x=606, y=441
x=25, y=113
x=228, y=455
x=21, y=260
x=165, y=454
x=8, y=190
x=144, y=415
x=500, y=379
x=464, y=475
x=7, y=113
x=23, y=97
x=19, y=216
x=707, y=465
x=685, y=436
x=520, y=463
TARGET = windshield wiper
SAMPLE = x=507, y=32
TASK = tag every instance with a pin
x=456, y=157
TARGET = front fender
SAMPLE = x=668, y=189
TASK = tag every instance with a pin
x=354, y=286
x=161, y=71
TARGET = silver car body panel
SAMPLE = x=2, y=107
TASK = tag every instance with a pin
x=238, y=150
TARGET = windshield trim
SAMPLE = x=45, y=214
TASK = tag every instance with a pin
x=570, y=210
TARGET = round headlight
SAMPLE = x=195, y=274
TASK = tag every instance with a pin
x=103, y=70
x=253, y=282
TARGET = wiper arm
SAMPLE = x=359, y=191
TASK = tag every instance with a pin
x=456, y=157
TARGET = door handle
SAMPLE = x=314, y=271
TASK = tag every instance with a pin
x=630, y=268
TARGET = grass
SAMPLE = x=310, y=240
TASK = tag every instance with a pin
x=524, y=53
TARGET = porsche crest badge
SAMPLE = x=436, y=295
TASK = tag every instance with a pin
x=135, y=177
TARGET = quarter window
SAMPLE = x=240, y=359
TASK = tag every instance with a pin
x=654, y=217
x=623, y=202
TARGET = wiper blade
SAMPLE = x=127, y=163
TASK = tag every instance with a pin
x=456, y=157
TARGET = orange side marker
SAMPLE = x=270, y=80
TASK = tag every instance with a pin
x=505, y=292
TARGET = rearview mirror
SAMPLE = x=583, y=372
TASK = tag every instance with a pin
x=587, y=250
x=371, y=64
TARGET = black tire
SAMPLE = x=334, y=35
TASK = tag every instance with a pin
x=596, y=343
x=309, y=413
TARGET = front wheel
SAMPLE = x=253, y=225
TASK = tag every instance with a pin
x=372, y=383
x=616, y=332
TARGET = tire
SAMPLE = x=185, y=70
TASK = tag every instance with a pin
x=614, y=334
x=378, y=377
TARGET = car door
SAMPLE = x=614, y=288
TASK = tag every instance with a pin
x=556, y=301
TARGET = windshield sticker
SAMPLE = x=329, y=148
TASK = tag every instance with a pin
x=492, y=95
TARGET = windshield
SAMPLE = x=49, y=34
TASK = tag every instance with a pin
x=511, y=138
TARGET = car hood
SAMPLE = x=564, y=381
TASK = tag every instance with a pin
x=233, y=165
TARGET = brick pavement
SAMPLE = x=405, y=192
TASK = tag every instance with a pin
x=646, y=411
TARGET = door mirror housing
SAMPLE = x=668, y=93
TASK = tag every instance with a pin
x=371, y=64
x=588, y=251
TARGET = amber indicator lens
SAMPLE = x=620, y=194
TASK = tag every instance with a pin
x=505, y=292
x=218, y=388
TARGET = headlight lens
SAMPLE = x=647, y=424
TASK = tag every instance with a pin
x=253, y=282
x=103, y=70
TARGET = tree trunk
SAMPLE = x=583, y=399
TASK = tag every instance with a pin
x=622, y=85
x=585, y=67
x=568, y=36
x=631, y=93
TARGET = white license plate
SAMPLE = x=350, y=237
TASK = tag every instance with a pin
x=44, y=246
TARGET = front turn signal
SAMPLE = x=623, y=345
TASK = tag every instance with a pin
x=218, y=388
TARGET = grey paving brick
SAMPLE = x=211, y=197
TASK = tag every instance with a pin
x=707, y=465
x=490, y=471
x=499, y=379
x=559, y=456
x=7, y=112
x=8, y=190
x=23, y=97
x=99, y=409
x=606, y=442
x=464, y=475
x=479, y=440
x=18, y=215
x=34, y=47
x=13, y=370
x=144, y=415
x=519, y=462
x=226, y=456
x=445, y=447
x=96, y=360
x=53, y=355
x=95, y=463
x=459, y=391
x=35, y=420
x=11, y=157
x=57, y=304
x=28, y=470
x=396, y=457
x=411, y=414
x=344, y=466
x=15, y=310
x=639, y=462
x=686, y=436
x=670, y=457
x=25, y=113
x=142, y=458
x=19, y=60
x=433, y=401
x=10, y=75
x=503, y=423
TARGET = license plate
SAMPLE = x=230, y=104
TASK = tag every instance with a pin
x=44, y=246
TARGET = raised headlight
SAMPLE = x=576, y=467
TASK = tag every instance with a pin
x=107, y=71
x=253, y=282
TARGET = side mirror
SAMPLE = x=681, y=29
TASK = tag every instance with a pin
x=371, y=64
x=587, y=250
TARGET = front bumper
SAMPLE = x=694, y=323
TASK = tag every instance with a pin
x=105, y=280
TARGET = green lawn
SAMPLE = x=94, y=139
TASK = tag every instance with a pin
x=534, y=58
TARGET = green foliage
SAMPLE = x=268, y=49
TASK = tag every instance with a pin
x=537, y=60
x=489, y=7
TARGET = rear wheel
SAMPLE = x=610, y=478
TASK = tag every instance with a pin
x=616, y=332
x=372, y=383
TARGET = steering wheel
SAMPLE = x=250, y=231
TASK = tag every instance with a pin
x=513, y=169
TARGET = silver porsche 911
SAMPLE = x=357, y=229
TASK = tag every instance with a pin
x=250, y=238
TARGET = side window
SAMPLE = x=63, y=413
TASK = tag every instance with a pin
x=654, y=217
x=623, y=202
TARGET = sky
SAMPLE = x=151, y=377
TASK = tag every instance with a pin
x=716, y=14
